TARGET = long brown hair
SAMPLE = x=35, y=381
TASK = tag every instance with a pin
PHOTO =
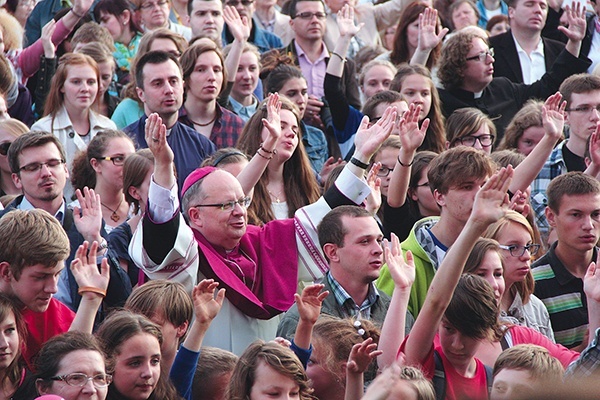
x=300, y=185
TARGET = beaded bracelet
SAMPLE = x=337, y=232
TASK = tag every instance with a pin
x=274, y=151
x=266, y=158
x=92, y=289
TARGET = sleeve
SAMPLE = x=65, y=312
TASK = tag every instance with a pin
x=29, y=59
x=337, y=101
x=44, y=80
x=183, y=370
x=388, y=13
x=588, y=362
x=302, y=354
x=352, y=93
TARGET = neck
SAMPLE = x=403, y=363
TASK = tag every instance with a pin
x=491, y=4
x=576, y=145
x=7, y=184
x=167, y=360
x=575, y=261
x=468, y=369
x=168, y=119
x=312, y=48
x=50, y=206
x=265, y=13
x=200, y=111
x=507, y=298
x=109, y=195
x=447, y=231
x=275, y=171
x=126, y=37
x=243, y=100
x=355, y=288
x=80, y=120
x=528, y=40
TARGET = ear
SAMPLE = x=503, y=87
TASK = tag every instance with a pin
x=550, y=216
x=182, y=329
x=125, y=17
x=511, y=13
x=133, y=192
x=447, y=145
x=439, y=198
x=96, y=165
x=140, y=93
x=413, y=194
x=17, y=181
x=330, y=251
x=5, y=272
x=195, y=217
x=41, y=386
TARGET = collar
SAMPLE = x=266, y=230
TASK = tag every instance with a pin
x=347, y=304
x=539, y=49
x=59, y=215
x=301, y=53
x=62, y=120
x=240, y=109
x=563, y=276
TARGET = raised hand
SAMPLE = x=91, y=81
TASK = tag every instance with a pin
x=595, y=146
x=272, y=124
x=575, y=15
x=373, y=200
x=553, y=115
x=47, y=44
x=428, y=23
x=238, y=26
x=81, y=7
x=382, y=386
x=309, y=303
x=345, y=22
x=402, y=271
x=519, y=203
x=156, y=138
x=361, y=356
x=407, y=128
x=368, y=139
x=85, y=271
x=88, y=216
x=206, y=305
x=491, y=201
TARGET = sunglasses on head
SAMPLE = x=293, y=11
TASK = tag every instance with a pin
x=4, y=148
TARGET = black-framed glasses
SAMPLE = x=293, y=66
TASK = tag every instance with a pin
x=309, y=15
x=116, y=160
x=230, y=205
x=80, y=379
x=34, y=167
x=234, y=3
x=482, y=56
x=484, y=140
x=585, y=108
x=4, y=148
x=151, y=5
x=518, y=251
x=384, y=171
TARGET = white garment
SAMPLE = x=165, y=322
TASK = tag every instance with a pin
x=533, y=66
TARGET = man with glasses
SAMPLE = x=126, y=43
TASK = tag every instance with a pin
x=582, y=115
x=155, y=14
x=573, y=211
x=259, y=37
x=467, y=67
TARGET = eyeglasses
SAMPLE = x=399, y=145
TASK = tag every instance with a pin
x=149, y=6
x=384, y=171
x=518, y=251
x=4, y=148
x=482, y=56
x=484, y=140
x=309, y=15
x=34, y=167
x=116, y=160
x=234, y=3
x=79, y=379
x=230, y=205
x=585, y=109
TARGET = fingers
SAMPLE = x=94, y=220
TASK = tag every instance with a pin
x=323, y=295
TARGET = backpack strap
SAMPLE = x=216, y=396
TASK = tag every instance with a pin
x=489, y=378
x=439, y=377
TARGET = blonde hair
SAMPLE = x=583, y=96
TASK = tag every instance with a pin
x=12, y=31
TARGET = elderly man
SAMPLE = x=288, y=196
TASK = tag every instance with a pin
x=258, y=266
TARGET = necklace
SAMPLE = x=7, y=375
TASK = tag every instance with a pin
x=275, y=196
x=114, y=216
x=206, y=124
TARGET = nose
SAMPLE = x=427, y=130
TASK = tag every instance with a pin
x=477, y=144
x=146, y=371
x=89, y=387
x=457, y=343
x=52, y=285
x=588, y=223
x=3, y=342
x=46, y=170
x=595, y=114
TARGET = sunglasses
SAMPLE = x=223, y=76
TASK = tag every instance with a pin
x=4, y=148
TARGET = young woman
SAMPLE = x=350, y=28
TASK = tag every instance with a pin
x=268, y=370
x=376, y=76
x=205, y=76
x=13, y=334
x=289, y=182
x=242, y=100
x=100, y=167
x=10, y=129
x=525, y=130
x=68, y=111
x=72, y=366
x=416, y=86
x=117, y=17
x=470, y=127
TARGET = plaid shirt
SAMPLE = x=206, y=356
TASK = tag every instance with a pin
x=588, y=362
x=554, y=166
x=347, y=304
x=226, y=129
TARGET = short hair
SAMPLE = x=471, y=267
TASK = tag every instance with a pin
x=135, y=169
x=466, y=122
x=421, y=161
x=277, y=357
x=47, y=362
x=366, y=54
x=213, y=362
x=29, y=140
x=152, y=57
x=452, y=66
x=579, y=83
x=164, y=298
x=383, y=97
x=293, y=5
x=31, y=237
x=332, y=230
x=528, y=116
x=190, y=5
x=473, y=309
x=495, y=20
x=92, y=32
x=457, y=4
x=13, y=127
x=535, y=359
x=393, y=142
x=98, y=51
x=570, y=184
x=457, y=165
x=191, y=55
x=504, y=158
x=371, y=64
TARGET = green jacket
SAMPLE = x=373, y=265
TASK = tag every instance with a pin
x=424, y=267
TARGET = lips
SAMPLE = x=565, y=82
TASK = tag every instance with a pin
x=589, y=239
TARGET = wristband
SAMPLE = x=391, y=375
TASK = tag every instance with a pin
x=333, y=53
x=92, y=289
x=265, y=157
x=406, y=165
x=77, y=15
x=359, y=163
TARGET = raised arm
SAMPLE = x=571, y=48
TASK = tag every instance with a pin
x=428, y=38
x=156, y=137
x=309, y=309
x=240, y=29
x=361, y=356
x=411, y=137
x=272, y=130
x=491, y=203
x=594, y=168
x=553, y=121
x=591, y=286
x=575, y=31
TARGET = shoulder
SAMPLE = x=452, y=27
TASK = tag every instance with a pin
x=502, y=40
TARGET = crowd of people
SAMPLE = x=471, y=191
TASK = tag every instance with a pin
x=301, y=199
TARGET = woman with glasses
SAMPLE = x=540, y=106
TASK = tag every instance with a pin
x=72, y=366
x=470, y=127
x=10, y=129
x=154, y=15
x=100, y=167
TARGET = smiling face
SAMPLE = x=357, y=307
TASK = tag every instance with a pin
x=137, y=367
x=246, y=78
x=80, y=87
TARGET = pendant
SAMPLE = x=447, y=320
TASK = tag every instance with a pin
x=115, y=217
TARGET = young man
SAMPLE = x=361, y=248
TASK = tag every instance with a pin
x=582, y=115
x=573, y=211
x=351, y=241
x=160, y=88
x=455, y=177
x=206, y=19
x=32, y=256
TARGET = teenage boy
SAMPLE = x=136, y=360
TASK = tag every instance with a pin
x=455, y=177
x=573, y=211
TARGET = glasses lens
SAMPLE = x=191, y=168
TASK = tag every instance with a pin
x=76, y=379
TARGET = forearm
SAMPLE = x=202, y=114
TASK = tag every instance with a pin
x=573, y=47
x=195, y=335
x=252, y=172
x=303, y=334
x=354, y=385
x=420, y=57
x=531, y=166
x=593, y=317
x=70, y=19
x=335, y=66
x=233, y=59
x=400, y=179
x=163, y=174
x=86, y=313
x=394, y=326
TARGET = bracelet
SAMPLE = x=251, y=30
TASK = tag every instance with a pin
x=406, y=165
x=92, y=289
x=77, y=15
x=274, y=151
x=266, y=158
x=333, y=53
x=359, y=163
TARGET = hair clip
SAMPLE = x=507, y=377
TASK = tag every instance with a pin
x=359, y=328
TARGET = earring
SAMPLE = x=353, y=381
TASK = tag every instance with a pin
x=124, y=23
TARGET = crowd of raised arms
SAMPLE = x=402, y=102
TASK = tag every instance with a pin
x=301, y=199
